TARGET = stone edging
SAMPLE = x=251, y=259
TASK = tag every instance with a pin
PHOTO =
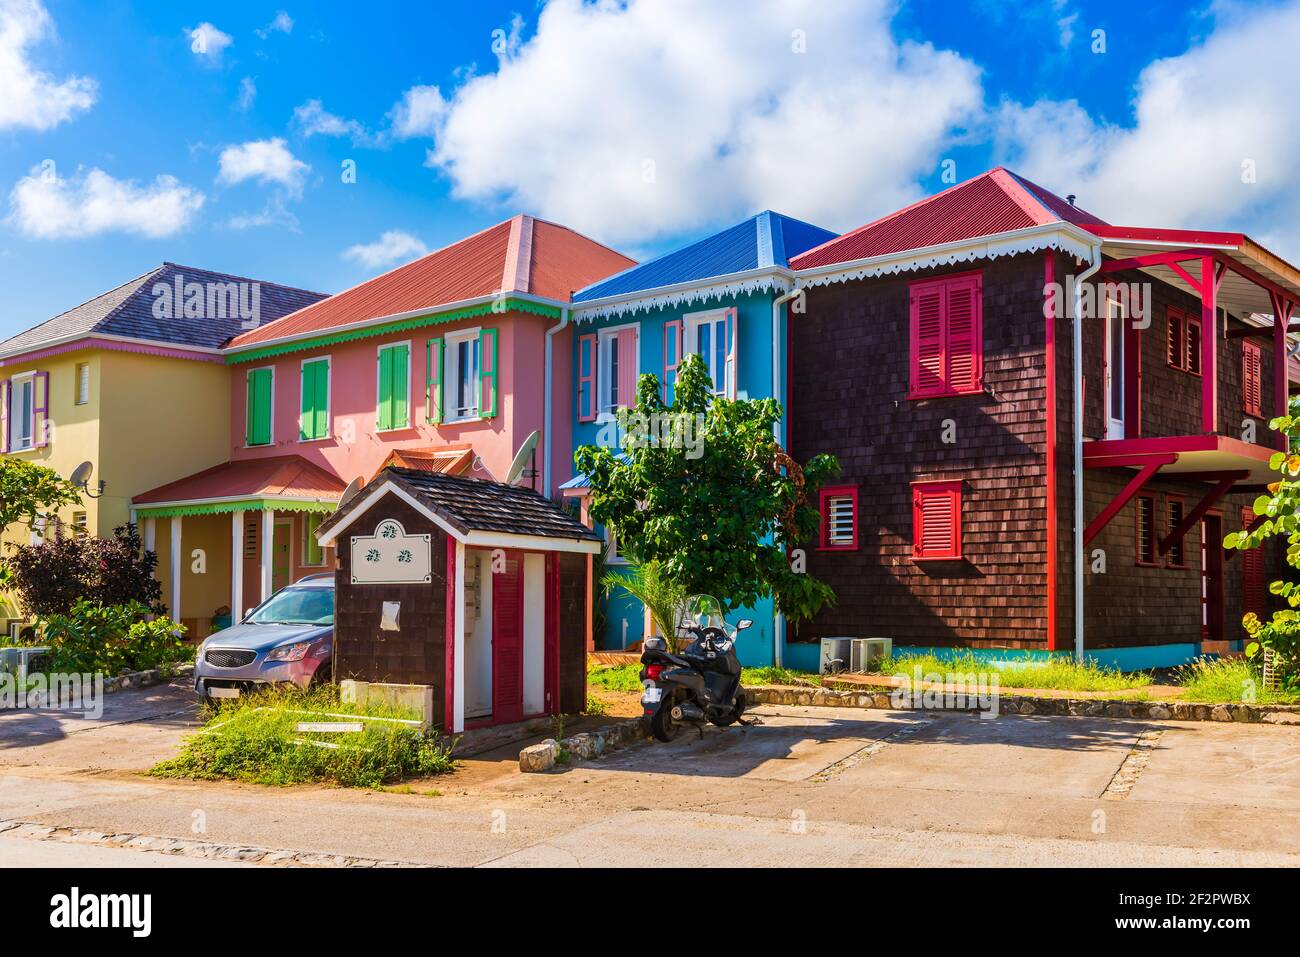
x=185, y=848
x=1025, y=704
x=134, y=679
x=589, y=744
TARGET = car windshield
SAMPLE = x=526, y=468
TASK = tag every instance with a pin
x=296, y=606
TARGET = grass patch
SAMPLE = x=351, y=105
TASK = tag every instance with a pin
x=614, y=677
x=771, y=675
x=1057, y=674
x=596, y=707
x=1228, y=680
x=255, y=739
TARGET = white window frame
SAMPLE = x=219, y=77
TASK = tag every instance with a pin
x=606, y=349
x=329, y=397
x=410, y=364
x=691, y=323
x=451, y=375
x=1115, y=425
x=21, y=379
x=82, y=398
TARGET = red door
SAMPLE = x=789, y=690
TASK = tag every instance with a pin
x=508, y=640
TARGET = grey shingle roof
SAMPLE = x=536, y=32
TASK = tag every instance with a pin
x=477, y=505
x=128, y=311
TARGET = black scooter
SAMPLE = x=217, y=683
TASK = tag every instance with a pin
x=700, y=684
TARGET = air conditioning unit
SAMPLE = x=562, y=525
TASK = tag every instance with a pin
x=867, y=651
x=835, y=655
x=15, y=630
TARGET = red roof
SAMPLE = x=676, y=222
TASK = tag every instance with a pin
x=276, y=476
x=449, y=459
x=522, y=254
x=998, y=201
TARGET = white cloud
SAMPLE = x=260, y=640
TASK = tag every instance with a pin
x=283, y=23
x=419, y=112
x=274, y=213
x=394, y=246
x=1202, y=121
x=247, y=93
x=44, y=206
x=208, y=43
x=266, y=161
x=648, y=118
x=312, y=119
x=32, y=98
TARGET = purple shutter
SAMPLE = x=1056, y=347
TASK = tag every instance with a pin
x=40, y=413
x=5, y=399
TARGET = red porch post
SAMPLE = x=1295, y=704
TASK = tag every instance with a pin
x=1049, y=282
x=1209, y=346
x=1282, y=310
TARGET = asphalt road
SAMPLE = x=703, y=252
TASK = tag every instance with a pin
x=809, y=786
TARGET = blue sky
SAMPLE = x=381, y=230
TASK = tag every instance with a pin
x=215, y=134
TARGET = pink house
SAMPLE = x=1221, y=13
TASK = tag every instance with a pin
x=447, y=363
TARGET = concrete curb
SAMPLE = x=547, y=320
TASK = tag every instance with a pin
x=1025, y=704
x=134, y=679
x=590, y=744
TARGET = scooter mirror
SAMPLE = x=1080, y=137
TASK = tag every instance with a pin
x=744, y=623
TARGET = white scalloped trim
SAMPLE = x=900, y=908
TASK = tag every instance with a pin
x=684, y=297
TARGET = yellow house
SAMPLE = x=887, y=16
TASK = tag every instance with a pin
x=133, y=382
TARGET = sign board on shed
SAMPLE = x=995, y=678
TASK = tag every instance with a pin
x=391, y=557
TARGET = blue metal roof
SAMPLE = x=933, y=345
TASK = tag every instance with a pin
x=768, y=239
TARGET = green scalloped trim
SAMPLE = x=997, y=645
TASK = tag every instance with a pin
x=432, y=319
x=224, y=508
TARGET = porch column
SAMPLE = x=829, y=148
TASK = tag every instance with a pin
x=268, y=557
x=236, y=567
x=151, y=535
x=176, y=568
x=1209, y=347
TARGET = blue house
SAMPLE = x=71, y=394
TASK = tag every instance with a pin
x=723, y=297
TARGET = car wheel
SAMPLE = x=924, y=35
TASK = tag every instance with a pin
x=324, y=674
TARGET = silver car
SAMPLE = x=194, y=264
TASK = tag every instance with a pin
x=288, y=639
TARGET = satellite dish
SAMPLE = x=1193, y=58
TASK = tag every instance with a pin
x=521, y=459
x=81, y=474
x=349, y=493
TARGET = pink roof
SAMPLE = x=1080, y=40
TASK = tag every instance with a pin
x=522, y=254
x=998, y=201
x=278, y=476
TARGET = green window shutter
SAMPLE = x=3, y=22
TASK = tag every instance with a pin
x=315, y=400
x=433, y=380
x=313, y=553
x=384, y=413
x=258, y=404
x=487, y=377
x=401, y=385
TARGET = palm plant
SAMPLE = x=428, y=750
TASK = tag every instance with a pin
x=649, y=584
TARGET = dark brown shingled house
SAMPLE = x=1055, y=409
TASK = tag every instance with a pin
x=476, y=589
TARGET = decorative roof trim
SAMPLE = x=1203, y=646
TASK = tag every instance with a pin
x=224, y=506
x=763, y=279
x=116, y=343
x=1064, y=237
x=481, y=306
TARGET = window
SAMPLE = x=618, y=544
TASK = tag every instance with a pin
x=711, y=336
x=83, y=383
x=23, y=409
x=461, y=381
x=258, y=406
x=947, y=346
x=314, y=423
x=1144, y=528
x=80, y=526
x=616, y=368
x=1251, y=372
x=839, y=508
x=1173, y=518
x=936, y=520
x=1183, y=341
x=392, y=387
x=313, y=556
x=587, y=347
x=1254, y=590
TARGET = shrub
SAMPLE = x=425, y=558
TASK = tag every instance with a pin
x=51, y=577
x=255, y=739
x=112, y=639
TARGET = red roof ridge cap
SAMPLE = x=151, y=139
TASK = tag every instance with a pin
x=1021, y=195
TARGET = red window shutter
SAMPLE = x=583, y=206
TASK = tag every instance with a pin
x=1175, y=351
x=1250, y=377
x=628, y=363
x=1192, y=340
x=1177, y=554
x=1254, y=592
x=839, y=518
x=936, y=520
x=927, y=341
x=1144, y=524
x=964, y=337
x=672, y=358
x=587, y=378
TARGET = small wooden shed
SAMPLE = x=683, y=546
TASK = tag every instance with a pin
x=476, y=589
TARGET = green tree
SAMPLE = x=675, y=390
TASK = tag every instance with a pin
x=27, y=491
x=702, y=489
x=649, y=584
x=1280, y=509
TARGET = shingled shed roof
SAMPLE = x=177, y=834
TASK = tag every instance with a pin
x=474, y=511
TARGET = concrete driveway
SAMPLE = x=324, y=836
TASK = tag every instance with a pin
x=814, y=786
